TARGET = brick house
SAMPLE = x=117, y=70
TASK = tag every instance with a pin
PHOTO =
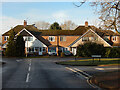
x=51, y=41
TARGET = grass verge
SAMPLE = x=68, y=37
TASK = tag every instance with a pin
x=90, y=62
x=107, y=80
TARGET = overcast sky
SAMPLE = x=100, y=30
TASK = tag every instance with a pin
x=14, y=13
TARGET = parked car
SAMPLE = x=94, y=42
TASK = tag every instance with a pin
x=52, y=53
x=67, y=53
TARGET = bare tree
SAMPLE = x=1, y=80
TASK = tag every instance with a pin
x=42, y=25
x=68, y=25
x=109, y=13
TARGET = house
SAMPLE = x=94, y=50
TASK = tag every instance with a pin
x=51, y=41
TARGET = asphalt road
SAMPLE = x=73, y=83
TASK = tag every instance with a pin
x=40, y=73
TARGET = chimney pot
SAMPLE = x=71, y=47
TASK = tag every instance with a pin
x=25, y=23
x=86, y=23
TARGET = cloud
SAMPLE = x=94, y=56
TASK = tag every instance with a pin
x=60, y=16
x=8, y=22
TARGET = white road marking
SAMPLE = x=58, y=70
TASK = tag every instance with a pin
x=106, y=68
x=70, y=69
x=76, y=70
x=27, y=79
x=29, y=68
x=19, y=60
x=82, y=72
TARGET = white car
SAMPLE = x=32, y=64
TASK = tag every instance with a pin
x=52, y=53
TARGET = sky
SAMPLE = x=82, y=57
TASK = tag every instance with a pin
x=14, y=13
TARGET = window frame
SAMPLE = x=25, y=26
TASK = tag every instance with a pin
x=51, y=40
x=83, y=39
x=114, y=38
x=6, y=38
x=62, y=38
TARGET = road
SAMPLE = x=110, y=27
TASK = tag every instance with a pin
x=40, y=73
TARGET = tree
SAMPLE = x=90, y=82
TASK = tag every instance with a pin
x=55, y=26
x=42, y=25
x=109, y=13
x=20, y=46
x=68, y=25
x=11, y=48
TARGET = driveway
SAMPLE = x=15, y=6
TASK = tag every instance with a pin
x=40, y=73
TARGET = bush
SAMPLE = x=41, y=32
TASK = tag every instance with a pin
x=112, y=52
x=89, y=49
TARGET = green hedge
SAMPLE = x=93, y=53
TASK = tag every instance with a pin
x=90, y=48
x=112, y=52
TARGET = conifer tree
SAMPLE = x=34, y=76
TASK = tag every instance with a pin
x=11, y=49
x=55, y=26
x=20, y=46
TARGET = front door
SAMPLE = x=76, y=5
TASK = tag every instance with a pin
x=74, y=50
x=40, y=51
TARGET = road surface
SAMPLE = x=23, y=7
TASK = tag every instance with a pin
x=40, y=73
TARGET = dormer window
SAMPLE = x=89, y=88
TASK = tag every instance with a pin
x=114, y=38
x=6, y=38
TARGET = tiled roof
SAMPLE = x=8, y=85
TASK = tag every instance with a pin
x=18, y=28
x=104, y=32
x=39, y=37
x=78, y=31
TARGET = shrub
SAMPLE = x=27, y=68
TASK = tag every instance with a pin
x=112, y=52
x=89, y=49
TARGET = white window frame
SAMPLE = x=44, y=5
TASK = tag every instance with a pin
x=49, y=38
x=114, y=38
x=63, y=38
x=26, y=38
x=85, y=39
x=6, y=38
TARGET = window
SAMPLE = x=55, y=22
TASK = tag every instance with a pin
x=62, y=38
x=40, y=49
x=85, y=39
x=6, y=38
x=28, y=38
x=52, y=49
x=44, y=49
x=51, y=38
x=32, y=49
x=114, y=38
x=36, y=49
x=93, y=38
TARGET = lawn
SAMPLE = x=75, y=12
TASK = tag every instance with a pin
x=90, y=62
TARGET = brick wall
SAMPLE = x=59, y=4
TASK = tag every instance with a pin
x=69, y=40
x=3, y=42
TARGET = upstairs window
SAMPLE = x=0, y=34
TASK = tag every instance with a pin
x=93, y=38
x=114, y=38
x=62, y=38
x=85, y=39
x=6, y=38
x=28, y=38
x=51, y=38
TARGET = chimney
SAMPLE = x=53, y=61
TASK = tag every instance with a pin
x=25, y=23
x=86, y=23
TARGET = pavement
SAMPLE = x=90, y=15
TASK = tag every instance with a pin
x=41, y=73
